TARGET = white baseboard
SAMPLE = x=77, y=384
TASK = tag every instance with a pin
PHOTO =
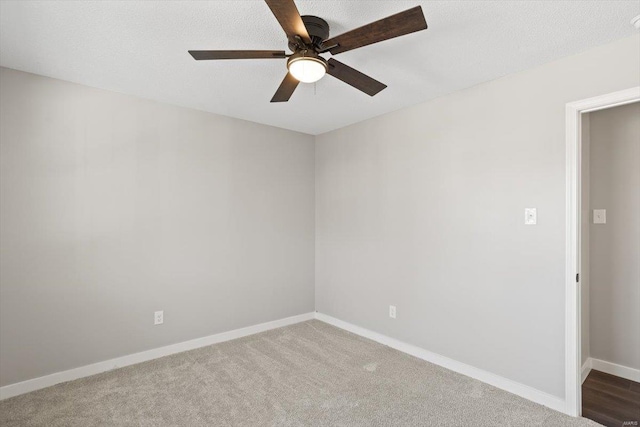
x=586, y=368
x=521, y=390
x=614, y=369
x=119, y=362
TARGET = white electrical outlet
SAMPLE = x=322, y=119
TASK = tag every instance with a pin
x=392, y=311
x=158, y=318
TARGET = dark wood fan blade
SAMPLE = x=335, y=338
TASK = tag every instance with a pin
x=289, y=18
x=236, y=54
x=402, y=23
x=355, y=78
x=284, y=92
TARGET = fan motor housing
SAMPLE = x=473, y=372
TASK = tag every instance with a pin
x=317, y=28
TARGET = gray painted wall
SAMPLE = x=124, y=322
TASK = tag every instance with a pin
x=424, y=209
x=584, y=243
x=112, y=207
x=212, y=220
x=615, y=246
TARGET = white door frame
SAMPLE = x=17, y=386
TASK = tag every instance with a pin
x=573, y=362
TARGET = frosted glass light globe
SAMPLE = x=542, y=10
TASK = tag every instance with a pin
x=307, y=69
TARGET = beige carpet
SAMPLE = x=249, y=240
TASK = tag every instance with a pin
x=308, y=374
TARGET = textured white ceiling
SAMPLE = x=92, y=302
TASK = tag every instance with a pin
x=140, y=48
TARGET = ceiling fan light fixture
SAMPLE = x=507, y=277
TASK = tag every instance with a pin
x=307, y=68
x=308, y=36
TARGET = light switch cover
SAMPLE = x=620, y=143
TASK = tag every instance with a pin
x=530, y=216
x=599, y=216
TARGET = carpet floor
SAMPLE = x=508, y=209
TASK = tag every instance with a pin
x=310, y=374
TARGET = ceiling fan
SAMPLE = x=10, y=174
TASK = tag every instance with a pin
x=309, y=37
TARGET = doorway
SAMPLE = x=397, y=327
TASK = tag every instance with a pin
x=610, y=265
x=574, y=218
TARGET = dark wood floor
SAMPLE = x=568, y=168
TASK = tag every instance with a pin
x=610, y=400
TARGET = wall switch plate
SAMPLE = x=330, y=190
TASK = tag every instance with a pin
x=530, y=216
x=158, y=318
x=599, y=216
x=392, y=311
